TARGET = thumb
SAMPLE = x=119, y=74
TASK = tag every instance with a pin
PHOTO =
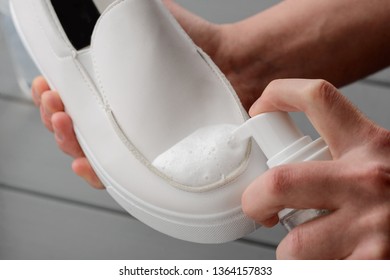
x=340, y=123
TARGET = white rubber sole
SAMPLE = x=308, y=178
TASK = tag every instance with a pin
x=192, y=228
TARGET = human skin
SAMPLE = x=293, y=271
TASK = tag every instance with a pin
x=355, y=185
x=336, y=40
x=57, y=121
x=340, y=41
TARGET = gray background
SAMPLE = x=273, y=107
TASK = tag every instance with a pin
x=46, y=212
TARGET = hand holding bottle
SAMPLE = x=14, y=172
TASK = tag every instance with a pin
x=355, y=185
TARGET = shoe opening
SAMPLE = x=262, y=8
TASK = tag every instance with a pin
x=78, y=18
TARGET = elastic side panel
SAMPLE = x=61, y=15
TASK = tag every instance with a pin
x=78, y=19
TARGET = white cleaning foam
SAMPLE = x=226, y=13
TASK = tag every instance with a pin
x=204, y=157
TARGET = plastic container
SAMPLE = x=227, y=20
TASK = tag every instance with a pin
x=282, y=142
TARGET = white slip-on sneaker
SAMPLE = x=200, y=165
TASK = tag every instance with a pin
x=151, y=111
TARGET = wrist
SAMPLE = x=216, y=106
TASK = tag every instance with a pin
x=248, y=58
x=305, y=39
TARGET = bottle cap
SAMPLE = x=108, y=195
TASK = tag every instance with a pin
x=281, y=141
x=273, y=132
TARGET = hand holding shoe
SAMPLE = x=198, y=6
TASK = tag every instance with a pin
x=58, y=122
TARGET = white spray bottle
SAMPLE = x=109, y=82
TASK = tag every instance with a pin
x=282, y=142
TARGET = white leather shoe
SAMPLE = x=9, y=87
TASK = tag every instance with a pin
x=135, y=85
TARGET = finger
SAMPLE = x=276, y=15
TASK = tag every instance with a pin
x=334, y=117
x=203, y=33
x=83, y=168
x=315, y=184
x=39, y=86
x=327, y=237
x=371, y=248
x=65, y=136
x=50, y=103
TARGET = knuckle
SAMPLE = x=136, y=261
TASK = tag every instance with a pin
x=381, y=174
x=271, y=89
x=293, y=246
x=273, y=82
x=274, y=85
x=376, y=176
x=381, y=139
x=279, y=180
x=323, y=92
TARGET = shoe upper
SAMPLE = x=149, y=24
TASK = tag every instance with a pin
x=140, y=87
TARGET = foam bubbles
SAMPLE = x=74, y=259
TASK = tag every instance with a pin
x=206, y=156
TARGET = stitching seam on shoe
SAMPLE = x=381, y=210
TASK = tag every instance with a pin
x=57, y=24
x=44, y=32
x=138, y=154
x=97, y=74
x=224, y=81
x=39, y=23
x=135, y=151
x=177, y=25
x=91, y=85
x=87, y=79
